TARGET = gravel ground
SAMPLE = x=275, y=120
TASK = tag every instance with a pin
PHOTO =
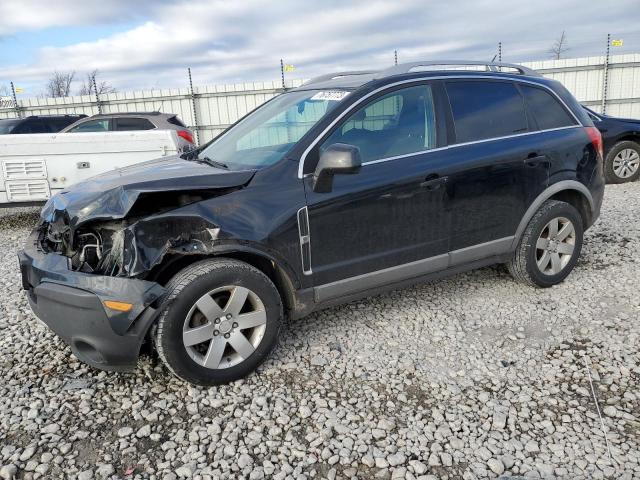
x=471, y=377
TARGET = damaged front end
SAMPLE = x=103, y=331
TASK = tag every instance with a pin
x=123, y=223
x=125, y=248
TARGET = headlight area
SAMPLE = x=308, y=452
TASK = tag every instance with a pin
x=129, y=249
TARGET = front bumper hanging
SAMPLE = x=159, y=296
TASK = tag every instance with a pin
x=71, y=304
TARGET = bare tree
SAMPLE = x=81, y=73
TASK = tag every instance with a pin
x=559, y=46
x=87, y=86
x=4, y=91
x=59, y=85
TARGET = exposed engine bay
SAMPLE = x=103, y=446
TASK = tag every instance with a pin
x=129, y=248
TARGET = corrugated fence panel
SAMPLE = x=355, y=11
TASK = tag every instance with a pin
x=218, y=106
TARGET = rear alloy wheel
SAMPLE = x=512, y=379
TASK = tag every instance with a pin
x=555, y=246
x=220, y=319
x=550, y=245
x=623, y=163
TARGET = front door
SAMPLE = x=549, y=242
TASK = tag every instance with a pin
x=388, y=221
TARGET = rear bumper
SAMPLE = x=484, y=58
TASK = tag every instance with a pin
x=71, y=304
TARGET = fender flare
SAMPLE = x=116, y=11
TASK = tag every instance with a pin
x=546, y=195
x=290, y=274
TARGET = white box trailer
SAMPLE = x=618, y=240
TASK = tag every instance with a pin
x=36, y=166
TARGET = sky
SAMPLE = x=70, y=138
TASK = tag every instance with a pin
x=145, y=44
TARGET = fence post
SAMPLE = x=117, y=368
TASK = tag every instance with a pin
x=15, y=101
x=605, y=77
x=193, y=108
x=95, y=89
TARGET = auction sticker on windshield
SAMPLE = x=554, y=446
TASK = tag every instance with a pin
x=332, y=95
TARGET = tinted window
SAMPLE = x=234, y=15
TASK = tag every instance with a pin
x=33, y=125
x=125, y=124
x=546, y=111
x=58, y=123
x=484, y=110
x=398, y=123
x=8, y=126
x=92, y=126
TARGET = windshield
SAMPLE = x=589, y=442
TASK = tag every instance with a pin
x=265, y=136
x=6, y=126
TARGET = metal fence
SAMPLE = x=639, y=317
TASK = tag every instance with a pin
x=611, y=87
x=216, y=106
x=608, y=84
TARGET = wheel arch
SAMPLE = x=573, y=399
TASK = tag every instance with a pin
x=283, y=278
x=627, y=137
x=569, y=191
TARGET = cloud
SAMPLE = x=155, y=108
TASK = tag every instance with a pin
x=27, y=15
x=226, y=41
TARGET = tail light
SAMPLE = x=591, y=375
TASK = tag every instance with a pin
x=596, y=139
x=186, y=134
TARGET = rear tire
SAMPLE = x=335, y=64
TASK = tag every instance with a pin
x=549, y=247
x=622, y=163
x=221, y=318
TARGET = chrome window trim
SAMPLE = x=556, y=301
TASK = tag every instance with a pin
x=422, y=79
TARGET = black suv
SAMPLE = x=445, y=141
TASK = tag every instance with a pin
x=354, y=183
x=37, y=124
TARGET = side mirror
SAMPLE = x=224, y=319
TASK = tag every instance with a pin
x=338, y=158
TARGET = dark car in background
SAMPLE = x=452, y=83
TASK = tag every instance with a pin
x=37, y=124
x=621, y=137
x=131, y=121
x=350, y=185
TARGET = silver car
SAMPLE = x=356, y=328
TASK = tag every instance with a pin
x=121, y=122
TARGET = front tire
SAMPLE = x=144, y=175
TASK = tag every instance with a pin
x=622, y=163
x=549, y=247
x=221, y=319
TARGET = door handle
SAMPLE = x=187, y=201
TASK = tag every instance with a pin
x=535, y=159
x=433, y=182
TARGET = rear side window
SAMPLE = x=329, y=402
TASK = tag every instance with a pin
x=125, y=124
x=545, y=110
x=33, y=125
x=483, y=110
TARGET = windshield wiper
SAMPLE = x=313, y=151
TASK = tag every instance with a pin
x=211, y=162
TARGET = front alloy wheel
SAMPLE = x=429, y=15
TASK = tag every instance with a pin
x=220, y=319
x=626, y=163
x=622, y=163
x=224, y=327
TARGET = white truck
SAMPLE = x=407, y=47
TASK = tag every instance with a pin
x=36, y=166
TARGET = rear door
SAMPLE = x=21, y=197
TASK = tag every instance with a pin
x=377, y=226
x=557, y=138
x=499, y=167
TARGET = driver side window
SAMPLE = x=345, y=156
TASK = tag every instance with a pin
x=399, y=123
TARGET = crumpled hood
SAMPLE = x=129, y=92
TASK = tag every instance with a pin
x=111, y=195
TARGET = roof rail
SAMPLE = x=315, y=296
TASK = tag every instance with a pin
x=331, y=76
x=489, y=67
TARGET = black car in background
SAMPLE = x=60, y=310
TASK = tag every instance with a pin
x=352, y=184
x=621, y=138
x=37, y=124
